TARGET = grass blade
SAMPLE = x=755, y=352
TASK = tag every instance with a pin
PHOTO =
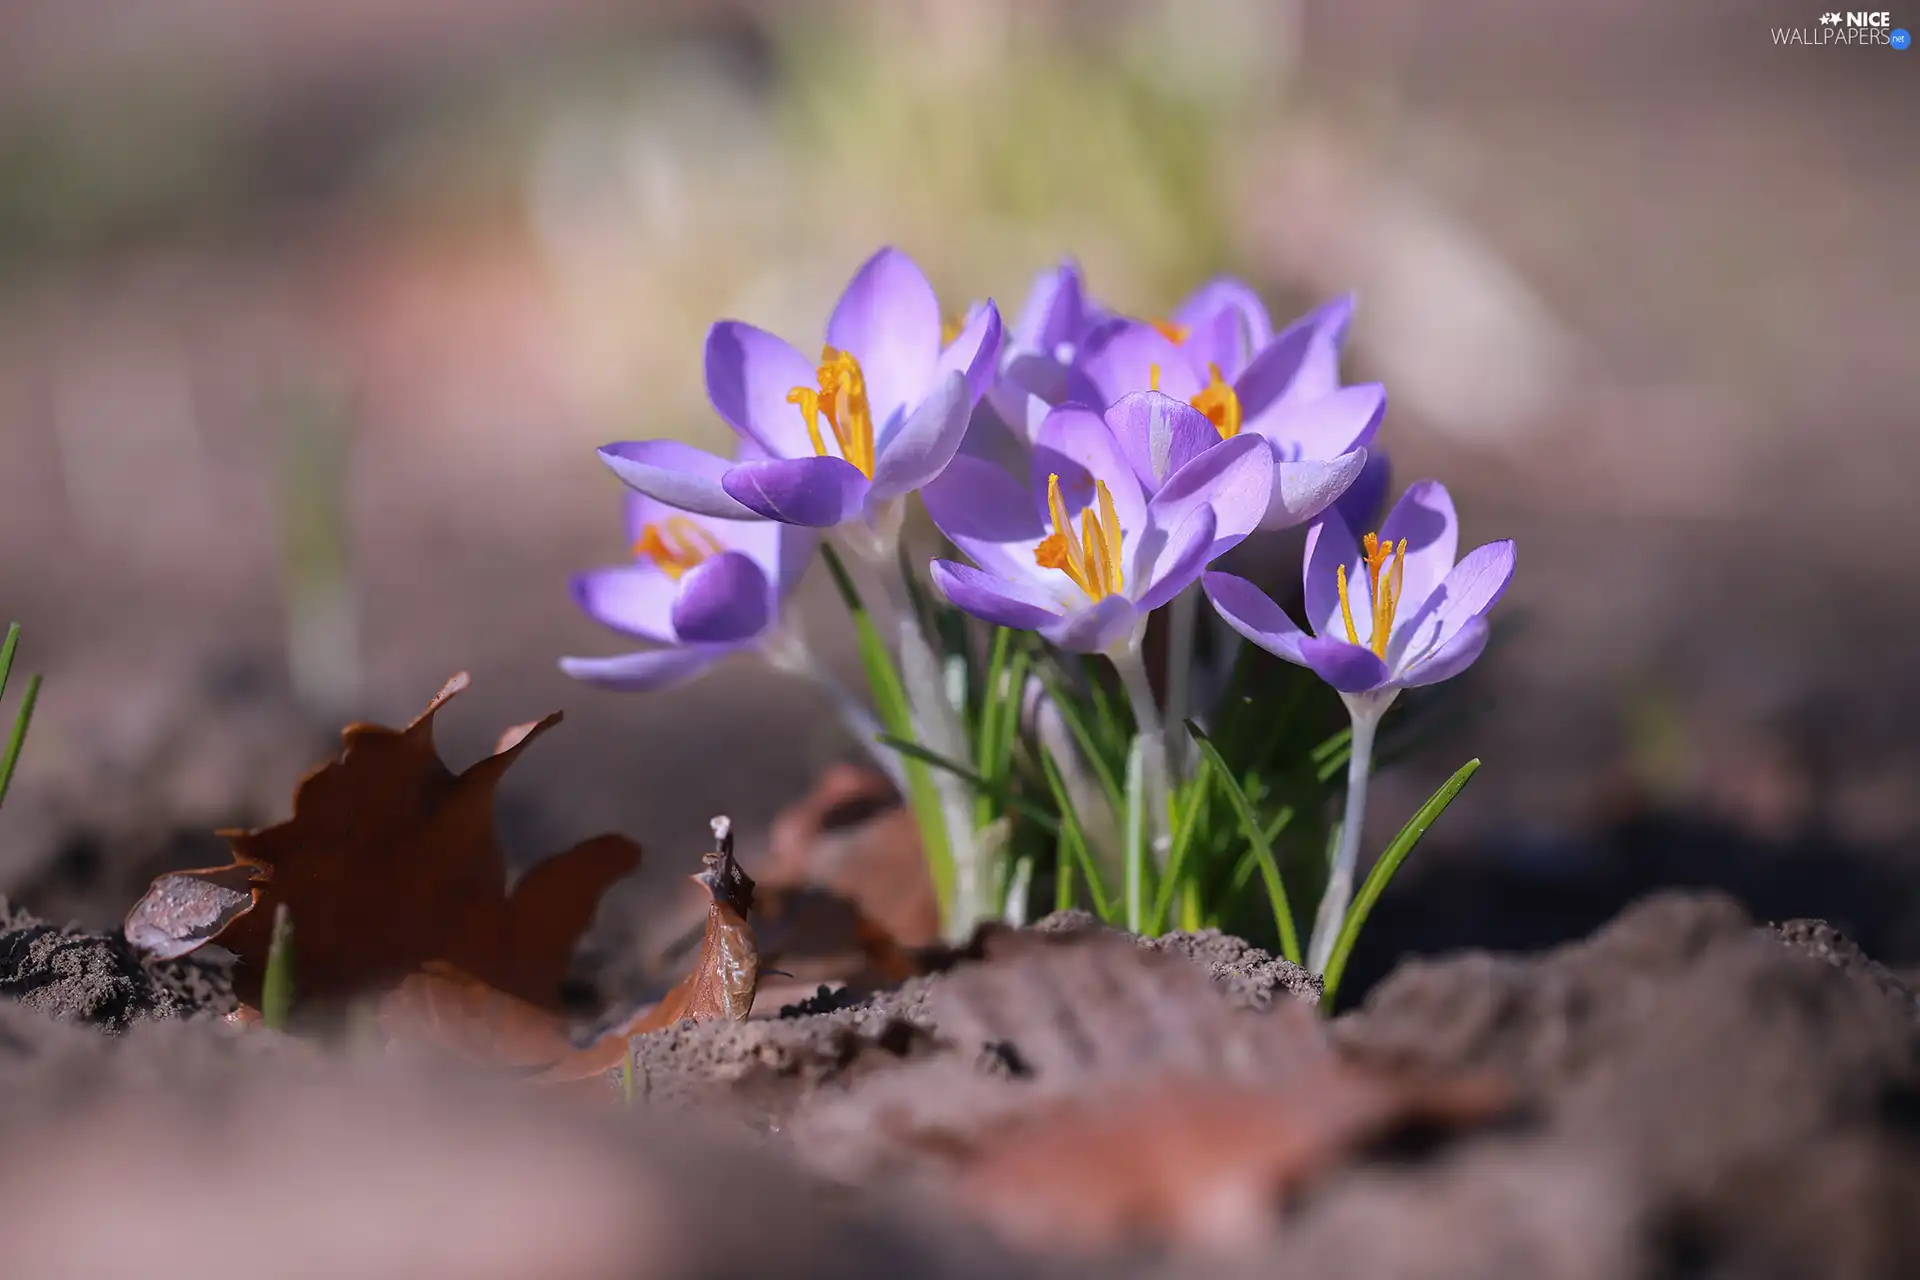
x=7, y=647
x=24, y=717
x=1073, y=840
x=276, y=985
x=1383, y=871
x=890, y=700
x=1257, y=837
x=994, y=791
x=1191, y=807
x=1084, y=739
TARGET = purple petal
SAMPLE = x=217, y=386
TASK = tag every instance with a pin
x=1252, y=612
x=1473, y=587
x=1424, y=516
x=722, y=600
x=987, y=514
x=1125, y=359
x=1181, y=560
x=1330, y=544
x=1055, y=311
x=677, y=474
x=1159, y=435
x=762, y=541
x=920, y=448
x=975, y=354
x=1323, y=426
x=651, y=669
x=1460, y=651
x=1020, y=605
x=1076, y=444
x=1359, y=506
x=1234, y=480
x=749, y=373
x=1319, y=373
x=1350, y=668
x=889, y=320
x=1250, y=327
x=797, y=546
x=816, y=492
x=1302, y=490
x=1268, y=380
x=636, y=599
x=1095, y=628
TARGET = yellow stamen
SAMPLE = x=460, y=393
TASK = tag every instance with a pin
x=1153, y=377
x=949, y=330
x=1091, y=560
x=1220, y=402
x=677, y=546
x=1383, y=582
x=1174, y=333
x=842, y=400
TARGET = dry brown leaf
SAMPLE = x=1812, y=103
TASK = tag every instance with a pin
x=1191, y=1160
x=853, y=837
x=458, y=1014
x=726, y=973
x=389, y=862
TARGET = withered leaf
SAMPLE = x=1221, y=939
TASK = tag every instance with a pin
x=454, y=1012
x=1192, y=1160
x=726, y=973
x=853, y=837
x=388, y=862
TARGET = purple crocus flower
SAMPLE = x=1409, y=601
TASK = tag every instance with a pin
x=876, y=417
x=1387, y=612
x=1081, y=553
x=700, y=588
x=1284, y=389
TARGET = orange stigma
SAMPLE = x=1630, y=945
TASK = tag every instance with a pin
x=1091, y=560
x=1384, y=583
x=676, y=546
x=1220, y=402
x=1174, y=333
x=842, y=400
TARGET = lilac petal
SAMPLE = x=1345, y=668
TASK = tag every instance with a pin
x=1030, y=381
x=677, y=474
x=1359, y=506
x=1237, y=298
x=987, y=514
x=797, y=546
x=920, y=448
x=1302, y=490
x=1020, y=605
x=1159, y=435
x=889, y=320
x=1330, y=544
x=1474, y=587
x=1454, y=655
x=1425, y=518
x=635, y=598
x=1320, y=371
x=722, y=600
x=1350, y=668
x=1252, y=612
x=1055, y=311
x=1186, y=553
x=1125, y=360
x=1268, y=381
x=1095, y=628
x=761, y=541
x=749, y=373
x=652, y=669
x=1076, y=445
x=637, y=511
x=1323, y=426
x=1234, y=480
x=816, y=492
x=975, y=353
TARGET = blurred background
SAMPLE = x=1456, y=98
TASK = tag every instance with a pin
x=311, y=317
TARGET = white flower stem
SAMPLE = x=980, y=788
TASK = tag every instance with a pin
x=1126, y=660
x=1182, y=623
x=1339, y=892
x=786, y=650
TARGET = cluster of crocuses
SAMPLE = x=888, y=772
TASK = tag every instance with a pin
x=1089, y=466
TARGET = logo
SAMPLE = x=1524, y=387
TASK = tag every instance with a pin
x=1852, y=29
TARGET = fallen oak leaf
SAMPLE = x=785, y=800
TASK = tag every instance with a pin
x=1190, y=1160
x=389, y=862
x=454, y=1012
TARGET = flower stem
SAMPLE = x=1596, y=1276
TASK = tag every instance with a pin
x=1182, y=624
x=1127, y=661
x=1332, y=912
